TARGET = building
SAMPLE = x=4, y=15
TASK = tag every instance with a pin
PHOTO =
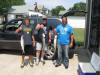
x=41, y=9
x=19, y=11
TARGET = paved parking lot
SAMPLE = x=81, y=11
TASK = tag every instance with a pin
x=10, y=65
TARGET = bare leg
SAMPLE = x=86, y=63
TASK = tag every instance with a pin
x=37, y=54
x=37, y=57
x=42, y=56
x=43, y=53
x=22, y=64
x=23, y=56
x=30, y=58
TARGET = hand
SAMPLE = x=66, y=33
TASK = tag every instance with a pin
x=41, y=26
x=49, y=40
x=71, y=45
x=34, y=44
x=55, y=31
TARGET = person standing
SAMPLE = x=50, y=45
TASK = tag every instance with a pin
x=63, y=32
x=28, y=36
x=43, y=31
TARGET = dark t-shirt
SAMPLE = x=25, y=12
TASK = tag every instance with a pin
x=27, y=31
x=44, y=30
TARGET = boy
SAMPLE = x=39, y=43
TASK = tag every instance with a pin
x=27, y=34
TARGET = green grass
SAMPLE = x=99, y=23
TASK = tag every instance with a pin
x=79, y=36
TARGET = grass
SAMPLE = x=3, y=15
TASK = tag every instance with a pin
x=79, y=36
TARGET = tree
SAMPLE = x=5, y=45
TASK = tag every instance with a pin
x=79, y=6
x=56, y=10
x=6, y=4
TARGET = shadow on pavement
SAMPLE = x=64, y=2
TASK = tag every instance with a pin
x=83, y=54
x=13, y=52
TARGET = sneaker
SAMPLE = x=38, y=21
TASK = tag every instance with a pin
x=22, y=64
x=42, y=60
x=66, y=67
x=57, y=65
x=31, y=64
x=37, y=61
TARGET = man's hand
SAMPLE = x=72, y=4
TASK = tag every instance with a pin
x=18, y=30
x=41, y=26
x=49, y=40
x=71, y=45
x=55, y=31
x=33, y=44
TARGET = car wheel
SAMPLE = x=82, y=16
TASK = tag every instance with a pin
x=50, y=53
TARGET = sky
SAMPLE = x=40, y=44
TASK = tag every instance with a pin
x=53, y=3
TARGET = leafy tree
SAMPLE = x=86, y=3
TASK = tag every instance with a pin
x=79, y=6
x=56, y=10
x=6, y=4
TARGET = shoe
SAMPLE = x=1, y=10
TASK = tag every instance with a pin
x=66, y=67
x=22, y=65
x=37, y=61
x=42, y=60
x=31, y=64
x=57, y=65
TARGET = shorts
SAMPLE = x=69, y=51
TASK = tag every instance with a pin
x=39, y=46
x=28, y=50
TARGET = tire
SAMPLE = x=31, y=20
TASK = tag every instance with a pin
x=50, y=53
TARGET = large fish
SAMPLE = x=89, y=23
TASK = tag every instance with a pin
x=22, y=43
x=55, y=42
x=43, y=40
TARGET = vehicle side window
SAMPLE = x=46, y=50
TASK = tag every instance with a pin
x=33, y=22
x=53, y=23
x=13, y=25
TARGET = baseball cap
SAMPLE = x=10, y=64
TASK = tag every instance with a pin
x=44, y=17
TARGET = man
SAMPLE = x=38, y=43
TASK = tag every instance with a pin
x=63, y=31
x=27, y=34
x=42, y=29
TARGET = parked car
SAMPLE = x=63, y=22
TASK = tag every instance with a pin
x=10, y=40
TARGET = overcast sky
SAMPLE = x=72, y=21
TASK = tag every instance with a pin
x=53, y=3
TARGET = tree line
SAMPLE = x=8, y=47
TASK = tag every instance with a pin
x=5, y=5
x=77, y=6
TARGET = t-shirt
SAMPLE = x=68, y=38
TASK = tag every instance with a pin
x=27, y=31
x=44, y=30
x=63, y=34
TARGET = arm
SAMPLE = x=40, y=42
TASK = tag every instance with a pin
x=18, y=30
x=55, y=31
x=38, y=27
x=72, y=39
x=33, y=40
x=49, y=36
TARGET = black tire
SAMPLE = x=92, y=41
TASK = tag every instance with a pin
x=50, y=53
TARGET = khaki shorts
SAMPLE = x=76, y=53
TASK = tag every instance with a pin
x=39, y=46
